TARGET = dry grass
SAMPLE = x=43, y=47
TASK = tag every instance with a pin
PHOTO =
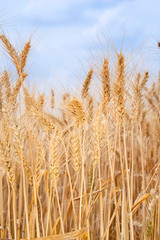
x=91, y=174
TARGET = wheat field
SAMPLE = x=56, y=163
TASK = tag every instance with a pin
x=89, y=172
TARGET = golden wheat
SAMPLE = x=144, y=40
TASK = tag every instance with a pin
x=89, y=172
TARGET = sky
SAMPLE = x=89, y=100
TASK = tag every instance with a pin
x=65, y=32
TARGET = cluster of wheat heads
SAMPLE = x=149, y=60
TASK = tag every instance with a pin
x=92, y=172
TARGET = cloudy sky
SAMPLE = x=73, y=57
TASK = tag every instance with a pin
x=64, y=32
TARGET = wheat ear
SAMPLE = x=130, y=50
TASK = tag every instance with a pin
x=76, y=109
x=24, y=55
x=86, y=84
x=105, y=79
x=11, y=51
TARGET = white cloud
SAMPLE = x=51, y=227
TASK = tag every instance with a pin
x=64, y=45
x=58, y=53
x=50, y=9
x=130, y=16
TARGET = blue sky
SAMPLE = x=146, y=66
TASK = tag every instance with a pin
x=65, y=31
